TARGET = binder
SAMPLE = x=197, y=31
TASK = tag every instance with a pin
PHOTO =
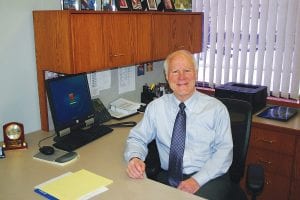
x=82, y=185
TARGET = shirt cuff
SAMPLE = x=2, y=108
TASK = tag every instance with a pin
x=201, y=177
x=135, y=155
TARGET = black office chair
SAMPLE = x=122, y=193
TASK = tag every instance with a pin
x=241, y=118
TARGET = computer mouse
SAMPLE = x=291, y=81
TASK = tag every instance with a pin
x=47, y=150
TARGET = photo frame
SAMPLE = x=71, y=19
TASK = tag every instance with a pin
x=88, y=5
x=122, y=5
x=151, y=4
x=136, y=4
x=183, y=5
x=107, y=5
x=71, y=4
x=168, y=5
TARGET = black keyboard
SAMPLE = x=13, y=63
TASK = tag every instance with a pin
x=80, y=138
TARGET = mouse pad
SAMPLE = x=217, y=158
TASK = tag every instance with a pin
x=52, y=158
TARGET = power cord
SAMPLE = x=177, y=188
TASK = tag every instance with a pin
x=39, y=144
x=122, y=124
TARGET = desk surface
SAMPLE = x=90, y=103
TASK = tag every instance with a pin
x=19, y=172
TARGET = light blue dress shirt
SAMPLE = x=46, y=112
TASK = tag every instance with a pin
x=208, y=145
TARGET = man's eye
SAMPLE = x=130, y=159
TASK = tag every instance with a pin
x=175, y=72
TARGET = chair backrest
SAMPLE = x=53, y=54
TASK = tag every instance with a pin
x=241, y=118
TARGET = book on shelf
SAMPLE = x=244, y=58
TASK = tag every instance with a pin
x=82, y=185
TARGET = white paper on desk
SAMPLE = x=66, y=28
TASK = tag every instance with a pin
x=99, y=81
x=124, y=104
x=122, y=107
x=126, y=76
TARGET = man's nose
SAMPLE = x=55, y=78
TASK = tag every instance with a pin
x=181, y=74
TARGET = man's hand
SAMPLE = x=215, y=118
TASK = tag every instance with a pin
x=190, y=185
x=136, y=168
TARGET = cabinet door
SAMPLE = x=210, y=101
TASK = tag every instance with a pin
x=161, y=36
x=272, y=140
x=295, y=192
x=276, y=187
x=174, y=32
x=144, y=42
x=88, y=42
x=297, y=161
x=52, y=41
x=120, y=36
x=272, y=162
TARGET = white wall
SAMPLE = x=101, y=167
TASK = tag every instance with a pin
x=18, y=81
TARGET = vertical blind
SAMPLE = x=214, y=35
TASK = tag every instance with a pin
x=251, y=41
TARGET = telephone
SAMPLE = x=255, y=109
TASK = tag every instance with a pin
x=102, y=114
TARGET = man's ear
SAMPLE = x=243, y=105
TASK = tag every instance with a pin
x=166, y=75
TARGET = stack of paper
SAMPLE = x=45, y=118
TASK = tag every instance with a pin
x=69, y=186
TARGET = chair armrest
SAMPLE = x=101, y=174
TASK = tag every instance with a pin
x=152, y=161
x=255, y=178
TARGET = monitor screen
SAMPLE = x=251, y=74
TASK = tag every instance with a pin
x=70, y=100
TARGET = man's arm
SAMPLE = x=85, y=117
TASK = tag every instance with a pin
x=221, y=158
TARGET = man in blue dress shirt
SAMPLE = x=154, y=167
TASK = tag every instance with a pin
x=208, y=142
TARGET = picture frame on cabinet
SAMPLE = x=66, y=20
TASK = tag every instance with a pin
x=108, y=5
x=168, y=5
x=122, y=5
x=71, y=4
x=151, y=4
x=88, y=5
x=136, y=4
x=183, y=5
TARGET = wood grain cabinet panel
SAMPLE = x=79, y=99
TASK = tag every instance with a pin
x=297, y=161
x=276, y=163
x=272, y=140
x=276, y=187
x=295, y=189
x=88, y=41
x=175, y=32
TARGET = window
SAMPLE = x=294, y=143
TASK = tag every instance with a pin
x=255, y=42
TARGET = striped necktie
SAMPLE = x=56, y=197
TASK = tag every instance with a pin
x=177, y=147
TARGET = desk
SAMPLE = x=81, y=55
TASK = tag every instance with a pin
x=19, y=172
x=276, y=145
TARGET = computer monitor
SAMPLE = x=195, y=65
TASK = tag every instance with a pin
x=70, y=102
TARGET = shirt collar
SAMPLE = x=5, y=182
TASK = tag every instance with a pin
x=188, y=103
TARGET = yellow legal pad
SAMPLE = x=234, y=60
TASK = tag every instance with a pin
x=75, y=185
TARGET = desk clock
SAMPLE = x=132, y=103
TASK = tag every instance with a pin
x=13, y=134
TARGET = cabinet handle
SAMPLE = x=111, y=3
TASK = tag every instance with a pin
x=180, y=47
x=266, y=141
x=268, y=182
x=264, y=161
x=117, y=55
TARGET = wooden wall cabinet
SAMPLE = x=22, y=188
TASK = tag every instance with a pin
x=73, y=42
x=273, y=145
x=174, y=32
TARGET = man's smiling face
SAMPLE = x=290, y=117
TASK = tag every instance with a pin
x=181, y=76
